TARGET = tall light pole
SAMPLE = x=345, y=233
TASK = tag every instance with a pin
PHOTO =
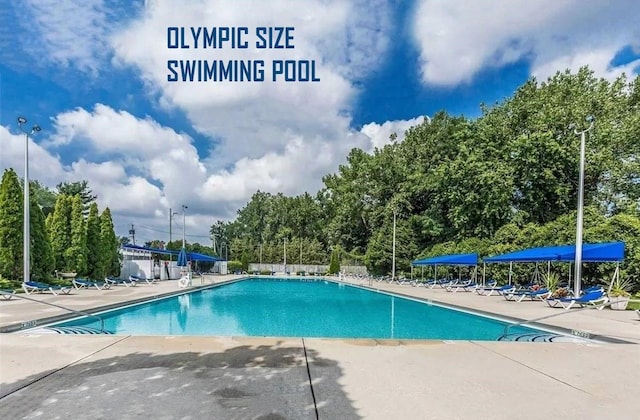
x=393, y=249
x=578, y=257
x=184, y=218
x=26, y=221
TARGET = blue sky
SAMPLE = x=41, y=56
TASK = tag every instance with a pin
x=93, y=74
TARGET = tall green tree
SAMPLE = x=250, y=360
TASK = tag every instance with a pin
x=109, y=245
x=334, y=261
x=94, y=267
x=42, y=261
x=11, y=224
x=60, y=231
x=76, y=254
x=80, y=188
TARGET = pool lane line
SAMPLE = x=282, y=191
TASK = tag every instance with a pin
x=4, y=395
x=313, y=394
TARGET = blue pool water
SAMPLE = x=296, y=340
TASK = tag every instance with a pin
x=293, y=308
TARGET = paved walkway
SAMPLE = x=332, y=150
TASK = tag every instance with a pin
x=125, y=377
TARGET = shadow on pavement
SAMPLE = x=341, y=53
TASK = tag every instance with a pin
x=245, y=382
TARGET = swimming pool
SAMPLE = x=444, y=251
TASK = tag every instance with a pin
x=298, y=308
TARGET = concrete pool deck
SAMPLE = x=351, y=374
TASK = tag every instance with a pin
x=89, y=376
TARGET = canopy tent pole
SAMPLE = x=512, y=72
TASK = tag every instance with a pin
x=548, y=268
x=459, y=273
x=411, y=271
x=475, y=274
x=422, y=272
x=569, y=283
x=616, y=274
x=510, y=271
x=484, y=273
x=536, y=275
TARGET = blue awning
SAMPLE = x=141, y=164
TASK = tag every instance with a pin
x=454, y=259
x=599, y=252
x=191, y=256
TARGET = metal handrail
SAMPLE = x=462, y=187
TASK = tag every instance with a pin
x=608, y=303
x=2, y=292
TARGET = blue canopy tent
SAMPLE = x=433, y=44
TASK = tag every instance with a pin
x=452, y=259
x=597, y=252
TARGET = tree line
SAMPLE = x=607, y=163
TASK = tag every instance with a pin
x=67, y=232
x=503, y=181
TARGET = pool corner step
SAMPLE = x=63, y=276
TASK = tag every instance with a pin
x=66, y=330
x=542, y=338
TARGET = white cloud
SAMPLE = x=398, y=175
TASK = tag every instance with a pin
x=69, y=33
x=380, y=133
x=46, y=167
x=458, y=39
x=346, y=40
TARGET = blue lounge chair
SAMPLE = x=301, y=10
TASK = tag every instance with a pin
x=115, y=282
x=488, y=291
x=597, y=299
x=87, y=284
x=37, y=287
x=7, y=294
x=520, y=295
x=138, y=279
x=467, y=286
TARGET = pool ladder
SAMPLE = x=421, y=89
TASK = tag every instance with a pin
x=61, y=330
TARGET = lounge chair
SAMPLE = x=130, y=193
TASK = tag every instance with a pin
x=467, y=286
x=7, y=294
x=488, y=291
x=597, y=299
x=116, y=282
x=520, y=295
x=37, y=287
x=87, y=284
x=138, y=279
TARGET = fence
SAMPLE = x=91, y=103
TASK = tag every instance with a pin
x=307, y=268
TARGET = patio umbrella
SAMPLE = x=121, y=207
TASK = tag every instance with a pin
x=182, y=258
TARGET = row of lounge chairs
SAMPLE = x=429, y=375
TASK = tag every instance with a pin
x=31, y=287
x=594, y=296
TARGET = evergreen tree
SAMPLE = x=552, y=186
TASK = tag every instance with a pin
x=60, y=231
x=80, y=188
x=94, y=268
x=47, y=223
x=244, y=260
x=42, y=262
x=334, y=262
x=76, y=255
x=109, y=256
x=11, y=224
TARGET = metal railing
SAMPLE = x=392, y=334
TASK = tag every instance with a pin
x=20, y=296
x=573, y=310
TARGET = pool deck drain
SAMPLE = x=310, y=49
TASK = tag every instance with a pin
x=49, y=376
